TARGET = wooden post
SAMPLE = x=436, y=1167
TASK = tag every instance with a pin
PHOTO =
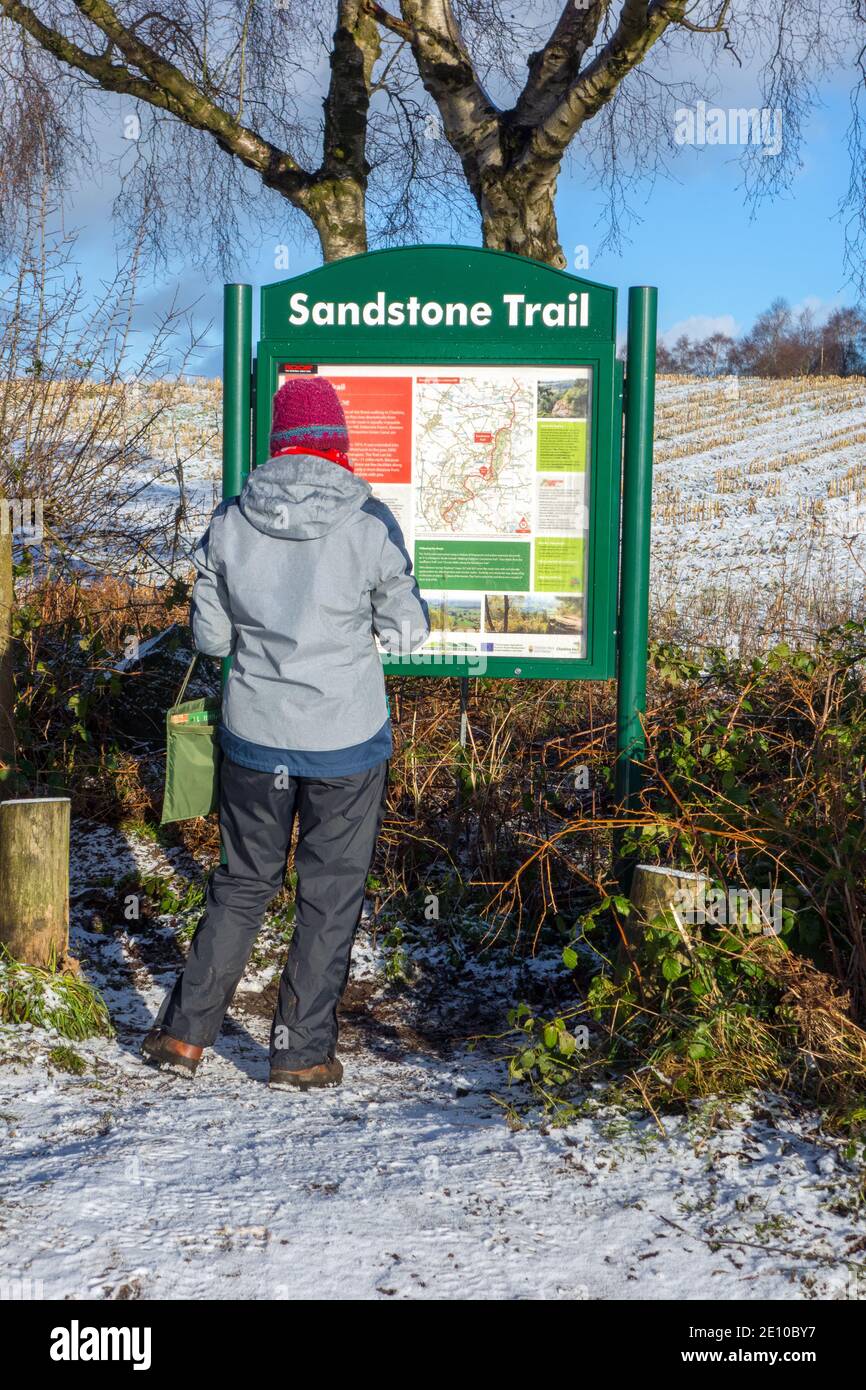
x=34, y=880
x=7, y=694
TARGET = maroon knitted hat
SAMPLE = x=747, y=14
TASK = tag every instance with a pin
x=308, y=415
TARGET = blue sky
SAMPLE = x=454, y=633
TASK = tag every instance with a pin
x=710, y=256
x=716, y=264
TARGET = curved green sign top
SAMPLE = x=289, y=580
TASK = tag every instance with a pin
x=472, y=302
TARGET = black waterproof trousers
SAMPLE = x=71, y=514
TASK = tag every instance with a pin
x=338, y=822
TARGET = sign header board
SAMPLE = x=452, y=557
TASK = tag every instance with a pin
x=510, y=295
x=483, y=403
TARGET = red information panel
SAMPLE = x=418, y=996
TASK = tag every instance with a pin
x=379, y=416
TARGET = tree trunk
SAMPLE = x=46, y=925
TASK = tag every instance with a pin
x=653, y=890
x=337, y=207
x=518, y=214
x=7, y=692
x=34, y=880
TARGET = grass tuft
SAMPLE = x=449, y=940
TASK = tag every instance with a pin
x=51, y=999
x=67, y=1059
x=699, y=1013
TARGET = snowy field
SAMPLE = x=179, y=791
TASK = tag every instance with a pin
x=759, y=500
x=406, y=1183
x=759, y=485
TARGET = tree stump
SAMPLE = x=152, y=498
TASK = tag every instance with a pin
x=34, y=880
x=654, y=889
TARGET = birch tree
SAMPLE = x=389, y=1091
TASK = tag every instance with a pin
x=332, y=112
x=610, y=74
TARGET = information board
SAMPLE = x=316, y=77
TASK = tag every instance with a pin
x=484, y=406
x=486, y=470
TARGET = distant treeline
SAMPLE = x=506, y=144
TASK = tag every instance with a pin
x=781, y=343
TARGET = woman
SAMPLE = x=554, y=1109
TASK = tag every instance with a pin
x=296, y=578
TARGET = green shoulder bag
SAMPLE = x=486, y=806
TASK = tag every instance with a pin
x=192, y=755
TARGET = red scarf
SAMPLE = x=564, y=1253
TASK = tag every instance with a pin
x=332, y=455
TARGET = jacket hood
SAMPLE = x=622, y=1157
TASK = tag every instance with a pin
x=300, y=496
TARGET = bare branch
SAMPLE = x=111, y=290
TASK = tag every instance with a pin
x=163, y=86
x=277, y=168
x=640, y=26
x=556, y=66
x=387, y=20
x=114, y=77
x=718, y=27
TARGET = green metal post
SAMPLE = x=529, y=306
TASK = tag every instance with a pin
x=237, y=422
x=636, y=523
x=237, y=375
x=237, y=370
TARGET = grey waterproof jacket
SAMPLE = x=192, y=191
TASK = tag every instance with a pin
x=295, y=578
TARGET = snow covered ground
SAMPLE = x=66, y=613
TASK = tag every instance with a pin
x=408, y=1182
x=414, y=1180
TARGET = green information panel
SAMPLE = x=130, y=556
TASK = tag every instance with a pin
x=483, y=403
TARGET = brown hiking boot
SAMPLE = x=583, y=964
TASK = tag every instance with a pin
x=161, y=1051
x=328, y=1073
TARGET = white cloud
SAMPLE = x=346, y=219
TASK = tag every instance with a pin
x=699, y=326
x=820, y=309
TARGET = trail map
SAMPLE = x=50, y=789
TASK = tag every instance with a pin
x=486, y=470
x=475, y=450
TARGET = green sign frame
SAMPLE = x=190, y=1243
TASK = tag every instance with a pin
x=514, y=328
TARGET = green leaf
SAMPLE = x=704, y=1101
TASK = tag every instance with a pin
x=569, y=958
x=671, y=969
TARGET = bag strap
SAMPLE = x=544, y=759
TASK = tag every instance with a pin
x=187, y=678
